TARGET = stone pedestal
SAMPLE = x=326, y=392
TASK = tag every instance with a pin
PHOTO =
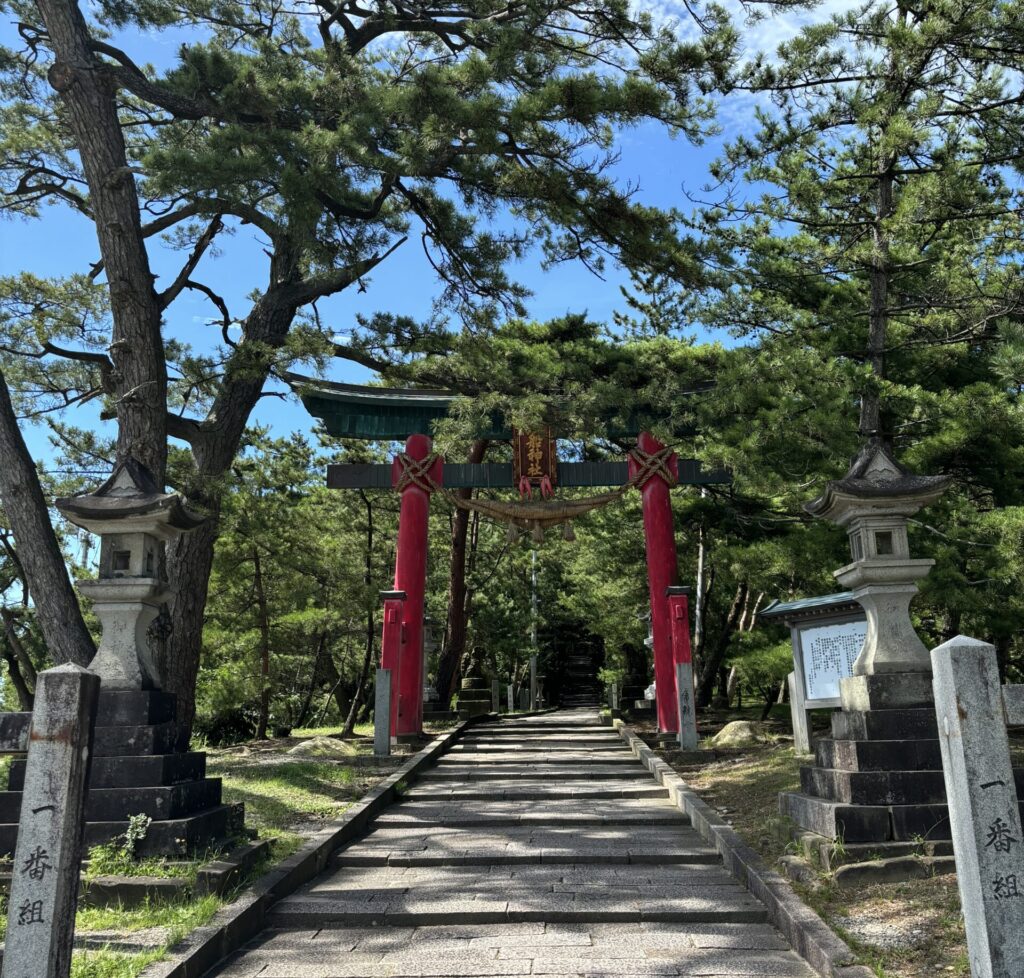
x=474, y=698
x=878, y=778
x=136, y=771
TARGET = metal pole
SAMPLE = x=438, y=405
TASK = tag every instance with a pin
x=533, y=600
x=533, y=682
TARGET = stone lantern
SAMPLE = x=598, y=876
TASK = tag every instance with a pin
x=134, y=520
x=873, y=501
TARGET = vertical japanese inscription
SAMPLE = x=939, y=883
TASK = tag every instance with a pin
x=534, y=457
x=983, y=807
x=44, y=885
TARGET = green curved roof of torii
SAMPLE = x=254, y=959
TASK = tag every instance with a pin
x=381, y=413
x=394, y=413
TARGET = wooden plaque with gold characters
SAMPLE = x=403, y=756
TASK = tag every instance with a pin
x=534, y=457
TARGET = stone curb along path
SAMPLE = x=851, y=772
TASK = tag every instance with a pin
x=806, y=932
x=535, y=846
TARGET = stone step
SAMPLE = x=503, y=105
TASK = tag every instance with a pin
x=482, y=814
x=596, y=857
x=874, y=787
x=879, y=755
x=527, y=844
x=512, y=726
x=534, y=744
x=699, y=907
x=445, y=771
x=515, y=790
x=543, y=760
x=729, y=949
x=904, y=724
x=600, y=735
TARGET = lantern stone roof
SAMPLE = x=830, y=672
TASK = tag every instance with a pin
x=130, y=496
x=875, y=477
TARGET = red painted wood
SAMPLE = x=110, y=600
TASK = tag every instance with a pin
x=679, y=615
x=411, y=577
x=662, y=572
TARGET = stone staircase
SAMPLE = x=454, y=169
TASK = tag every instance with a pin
x=581, y=688
x=535, y=846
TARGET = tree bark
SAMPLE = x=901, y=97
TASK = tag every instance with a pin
x=139, y=376
x=215, y=443
x=57, y=610
x=371, y=627
x=878, y=313
x=27, y=666
x=25, y=699
x=189, y=562
x=315, y=679
x=264, y=625
x=713, y=659
x=458, y=605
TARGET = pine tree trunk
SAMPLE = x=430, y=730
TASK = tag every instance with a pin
x=139, y=374
x=57, y=610
x=878, y=313
x=713, y=659
x=459, y=604
x=264, y=624
x=371, y=630
x=26, y=666
x=189, y=562
x=316, y=675
x=25, y=697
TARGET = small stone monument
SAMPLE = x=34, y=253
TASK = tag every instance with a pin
x=984, y=809
x=878, y=779
x=135, y=769
x=44, y=874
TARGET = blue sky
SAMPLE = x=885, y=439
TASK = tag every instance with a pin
x=63, y=242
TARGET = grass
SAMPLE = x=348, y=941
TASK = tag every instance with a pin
x=360, y=730
x=111, y=964
x=282, y=797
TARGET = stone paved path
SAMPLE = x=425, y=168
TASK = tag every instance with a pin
x=536, y=846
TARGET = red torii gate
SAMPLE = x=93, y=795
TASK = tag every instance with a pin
x=416, y=473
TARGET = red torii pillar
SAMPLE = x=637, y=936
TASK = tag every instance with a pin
x=413, y=473
x=662, y=565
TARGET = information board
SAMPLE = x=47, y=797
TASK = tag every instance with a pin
x=829, y=652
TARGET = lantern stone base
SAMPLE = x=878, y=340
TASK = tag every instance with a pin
x=474, y=698
x=135, y=771
x=878, y=777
